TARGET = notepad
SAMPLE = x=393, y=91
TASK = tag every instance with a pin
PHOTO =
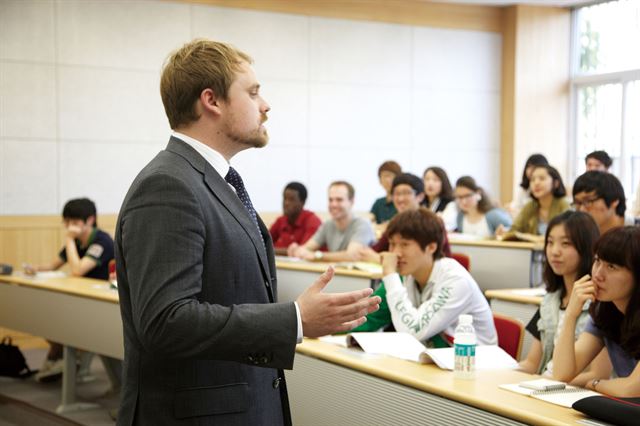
x=564, y=397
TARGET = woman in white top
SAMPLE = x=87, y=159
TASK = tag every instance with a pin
x=523, y=194
x=439, y=196
x=477, y=215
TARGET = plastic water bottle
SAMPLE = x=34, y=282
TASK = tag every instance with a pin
x=464, y=343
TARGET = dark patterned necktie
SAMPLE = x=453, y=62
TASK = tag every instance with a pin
x=234, y=179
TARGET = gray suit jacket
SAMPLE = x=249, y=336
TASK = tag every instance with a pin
x=203, y=339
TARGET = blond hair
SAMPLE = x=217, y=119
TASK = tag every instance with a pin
x=198, y=65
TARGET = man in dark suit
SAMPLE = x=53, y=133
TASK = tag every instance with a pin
x=205, y=340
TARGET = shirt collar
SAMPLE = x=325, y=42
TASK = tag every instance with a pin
x=213, y=157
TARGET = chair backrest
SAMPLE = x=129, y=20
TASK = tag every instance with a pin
x=510, y=334
x=462, y=259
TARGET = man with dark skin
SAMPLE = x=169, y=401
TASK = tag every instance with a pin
x=296, y=225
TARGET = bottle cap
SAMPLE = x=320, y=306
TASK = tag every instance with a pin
x=465, y=320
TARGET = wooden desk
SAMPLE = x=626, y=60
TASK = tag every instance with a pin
x=502, y=264
x=334, y=385
x=295, y=276
x=76, y=312
x=514, y=303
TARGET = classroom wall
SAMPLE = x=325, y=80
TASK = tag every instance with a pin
x=80, y=112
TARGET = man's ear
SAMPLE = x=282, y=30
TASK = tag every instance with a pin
x=431, y=247
x=91, y=220
x=614, y=204
x=209, y=101
x=420, y=197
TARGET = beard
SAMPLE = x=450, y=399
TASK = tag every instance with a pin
x=257, y=138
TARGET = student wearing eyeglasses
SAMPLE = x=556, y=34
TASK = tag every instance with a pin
x=601, y=195
x=477, y=215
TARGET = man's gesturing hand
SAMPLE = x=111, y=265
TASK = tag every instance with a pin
x=329, y=313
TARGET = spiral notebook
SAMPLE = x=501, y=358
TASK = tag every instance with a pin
x=565, y=397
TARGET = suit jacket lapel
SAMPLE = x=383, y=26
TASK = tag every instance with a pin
x=221, y=190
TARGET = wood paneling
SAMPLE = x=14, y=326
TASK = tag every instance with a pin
x=410, y=12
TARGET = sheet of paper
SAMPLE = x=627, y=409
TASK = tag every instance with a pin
x=487, y=358
x=340, y=340
x=399, y=345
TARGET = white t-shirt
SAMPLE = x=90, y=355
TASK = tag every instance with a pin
x=480, y=228
x=449, y=293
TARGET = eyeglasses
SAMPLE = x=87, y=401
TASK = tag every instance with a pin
x=577, y=204
x=404, y=193
x=464, y=197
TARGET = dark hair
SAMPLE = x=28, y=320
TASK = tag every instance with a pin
x=422, y=226
x=485, y=204
x=605, y=185
x=533, y=160
x=583, y=233
x=80, y=208
x=556, y=191
x=299, y=188
x=390, y=166
x=621, y=246
x=446, y=192
x=350, y=189
x=601, y=156
x=408, y=179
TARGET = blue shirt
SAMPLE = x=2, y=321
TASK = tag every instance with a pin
x=623, y=363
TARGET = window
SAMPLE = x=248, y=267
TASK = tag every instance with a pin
x=606, y=88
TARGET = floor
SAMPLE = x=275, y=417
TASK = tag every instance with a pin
x=46, y=396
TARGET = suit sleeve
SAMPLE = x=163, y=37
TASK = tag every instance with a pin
x=162, y=241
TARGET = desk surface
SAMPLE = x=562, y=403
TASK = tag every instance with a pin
x=522, y=245
x=483, y=392
x=83, y=287
x=514, y=295
x=319, y=267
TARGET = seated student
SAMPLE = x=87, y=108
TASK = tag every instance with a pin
x=343, y=235
x=569, y=243
x=88, y=251
x=547, y=193
x=422, y=292
x=383, y=209
x=476, y=214
x=601, y=195
x=296, y=225
x=439, y=196
x=407, y=193
x=598, y=161
x=523, y=196
x=614, y=291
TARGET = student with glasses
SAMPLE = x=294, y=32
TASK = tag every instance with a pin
x=601, y=195
x=476, y=213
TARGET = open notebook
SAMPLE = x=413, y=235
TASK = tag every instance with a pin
x=405, y=346
x=566, y=396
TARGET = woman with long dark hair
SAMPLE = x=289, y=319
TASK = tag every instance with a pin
x=523, y=194
x=477, y=215
x=614, y=291
x=439, y=195
x=569, y=243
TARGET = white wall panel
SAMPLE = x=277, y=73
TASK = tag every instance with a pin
x=360, y=52
x=278, y=43
x=102, y=171
x=132, y=34
x=29, y=182
x=359, y=116
x=27, y=30
x=103, y=104
x=28, y=100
